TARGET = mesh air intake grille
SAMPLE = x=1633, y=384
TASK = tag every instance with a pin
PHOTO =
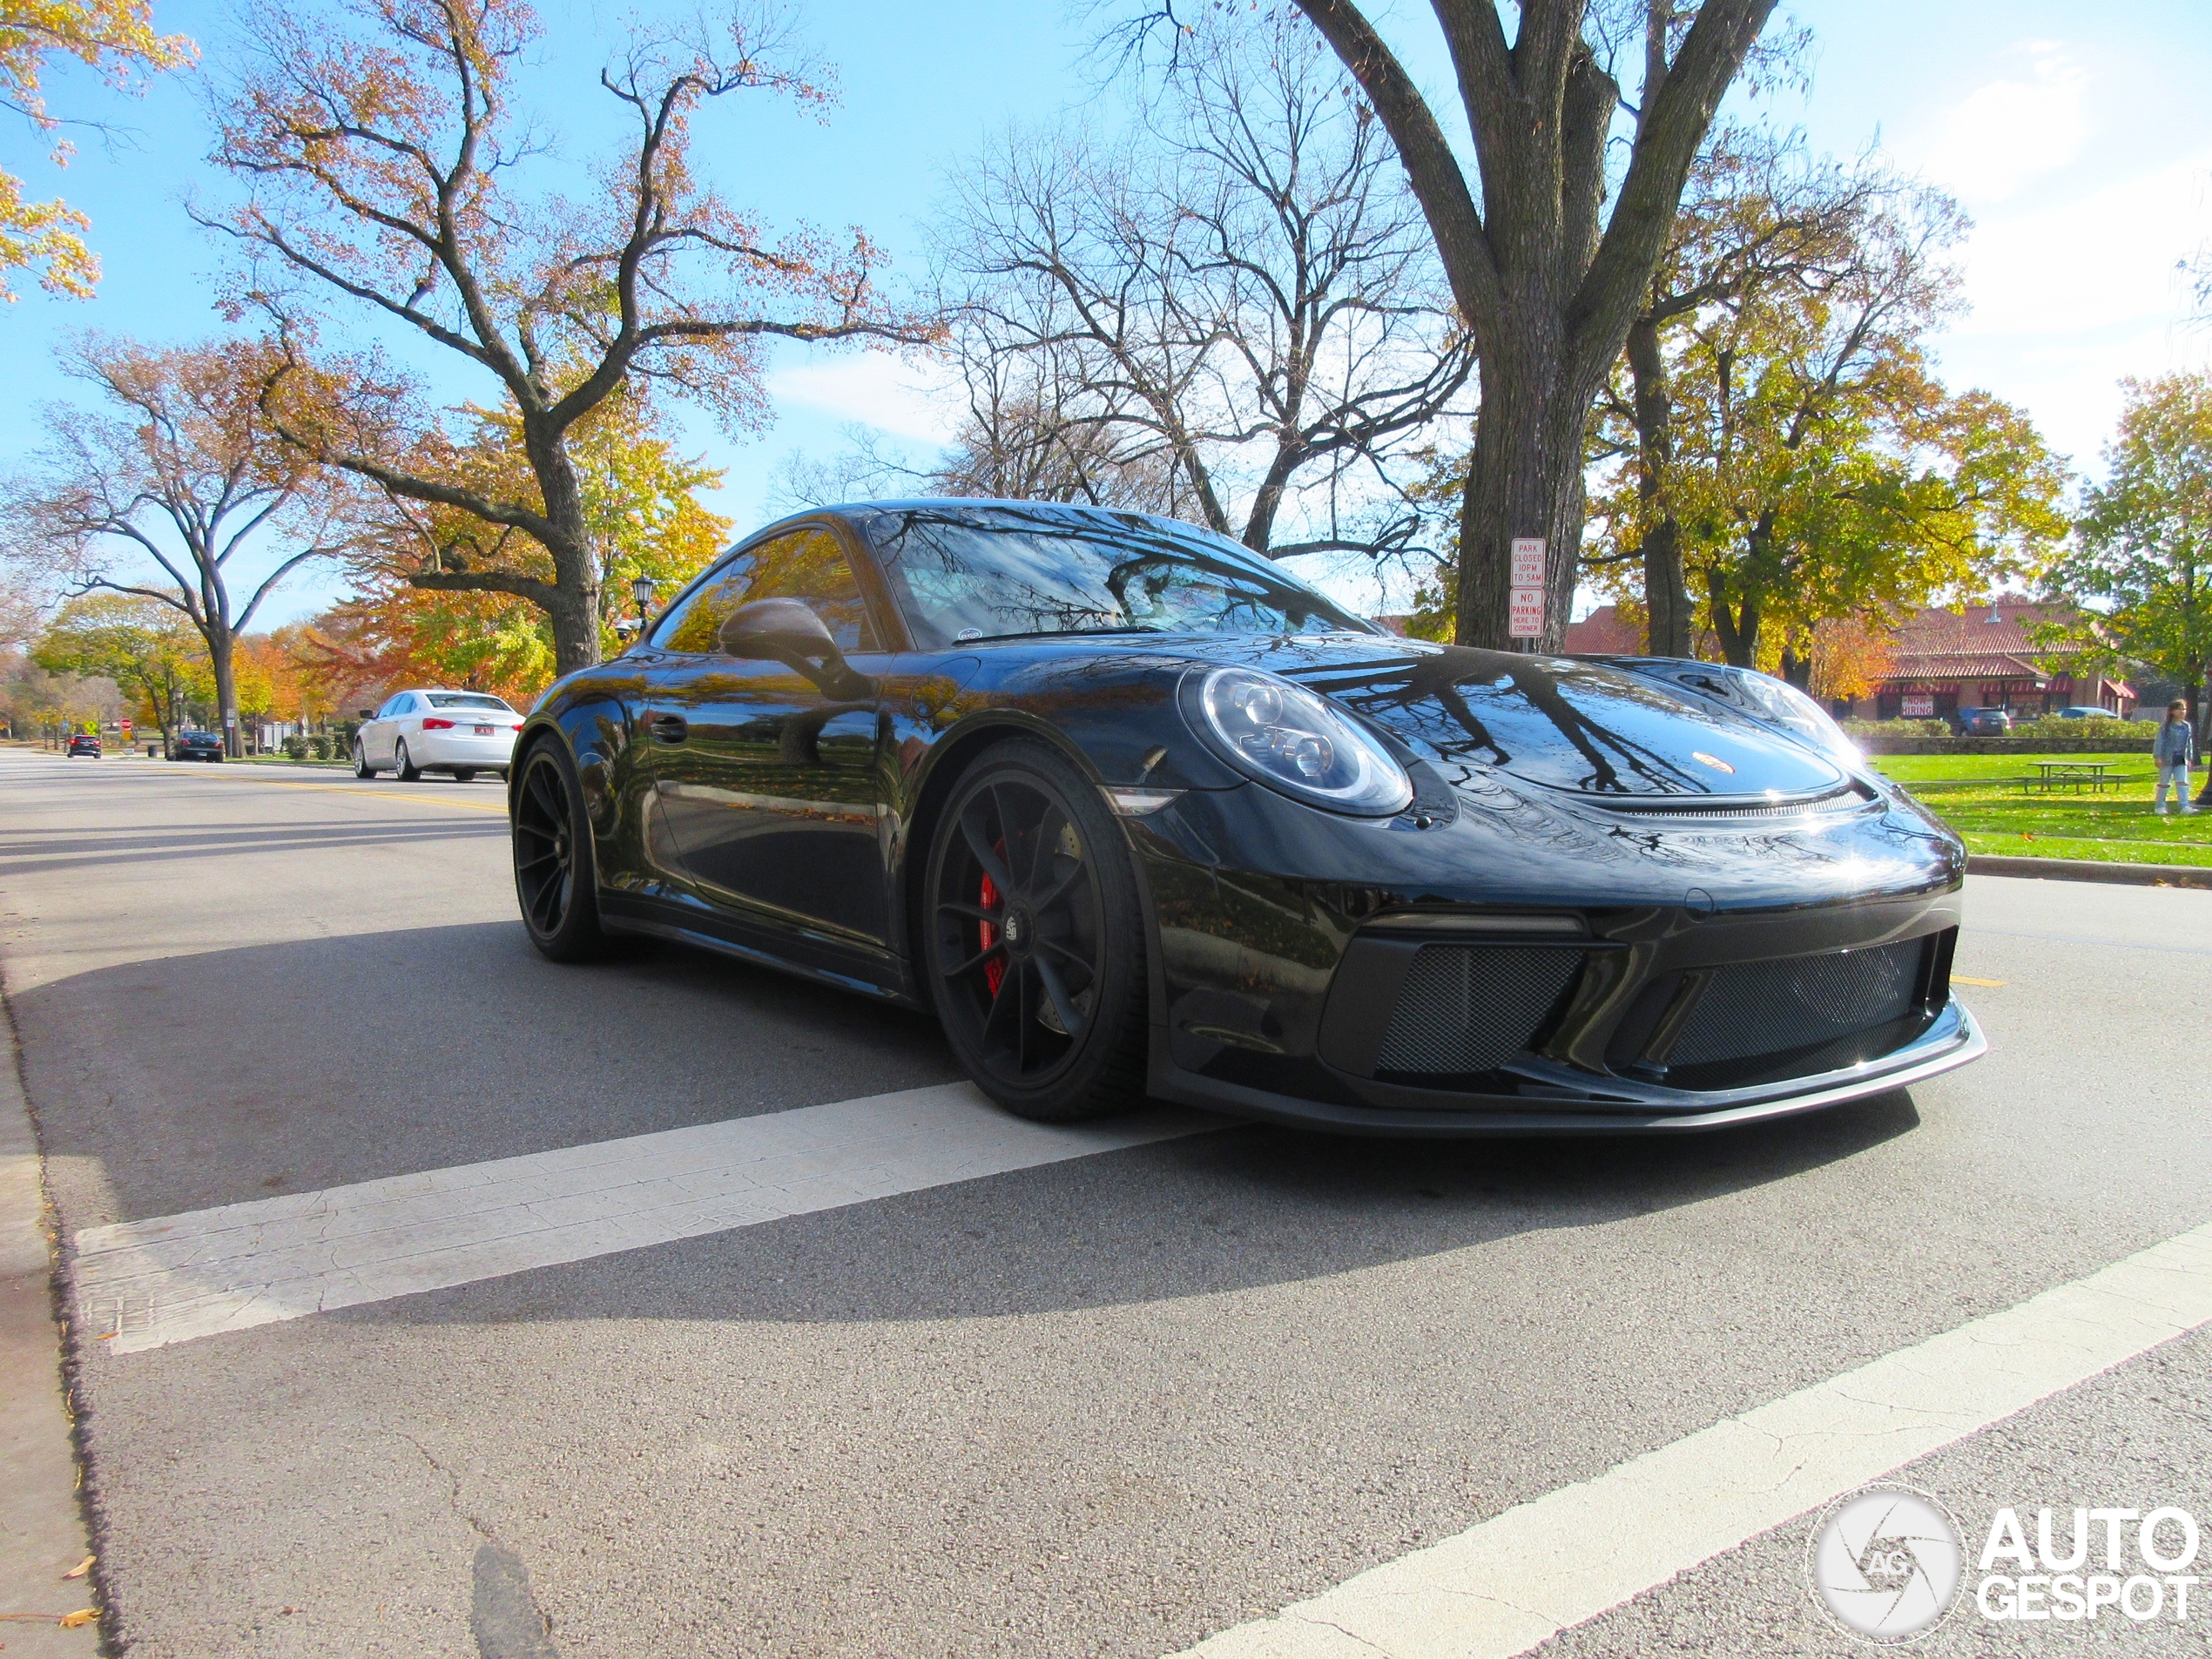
x=1467, y=1008
x=1821, y=1004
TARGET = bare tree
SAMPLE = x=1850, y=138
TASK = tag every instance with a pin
x=180, y=474
x=1037, y=429
x=385, y=158
x=1241, y=295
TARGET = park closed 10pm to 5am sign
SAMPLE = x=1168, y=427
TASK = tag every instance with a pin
x=1525, y=597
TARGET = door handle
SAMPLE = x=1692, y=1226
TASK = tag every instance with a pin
x=669, y=728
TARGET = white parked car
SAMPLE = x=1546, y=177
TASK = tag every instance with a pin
x=462, y=732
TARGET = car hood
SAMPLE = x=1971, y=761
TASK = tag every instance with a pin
x=1584, y=727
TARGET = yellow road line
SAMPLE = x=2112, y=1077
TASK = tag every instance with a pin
x=1986, y=984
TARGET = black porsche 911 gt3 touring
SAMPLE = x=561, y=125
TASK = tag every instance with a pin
x=1136, y=812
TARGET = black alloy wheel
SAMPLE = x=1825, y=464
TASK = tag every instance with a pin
x=403, y=769
x=1034, y=947
x=554, y=882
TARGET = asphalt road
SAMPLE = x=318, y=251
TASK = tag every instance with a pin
x=1108, y=1404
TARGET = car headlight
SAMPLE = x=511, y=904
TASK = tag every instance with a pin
x=1291, y=740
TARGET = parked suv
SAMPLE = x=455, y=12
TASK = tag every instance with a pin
x=196, y=745
x=1984, y=723
x=85, y=743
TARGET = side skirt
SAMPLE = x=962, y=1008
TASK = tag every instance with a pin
x=624, y=913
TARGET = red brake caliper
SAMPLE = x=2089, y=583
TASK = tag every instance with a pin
x=994, y=970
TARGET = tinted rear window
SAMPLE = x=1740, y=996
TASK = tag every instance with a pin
x=466, y=700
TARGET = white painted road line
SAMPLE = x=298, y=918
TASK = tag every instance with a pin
x=146, y=1284
x=1517, y=1579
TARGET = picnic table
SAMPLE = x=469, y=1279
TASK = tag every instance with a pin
x=2052, y=775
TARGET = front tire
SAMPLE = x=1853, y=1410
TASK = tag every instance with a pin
x=556, y=883
x=361, y=768
x=464, y=774
x=403, y=769
x=1032, y=939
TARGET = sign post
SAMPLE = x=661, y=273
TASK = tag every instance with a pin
x=1525, y=600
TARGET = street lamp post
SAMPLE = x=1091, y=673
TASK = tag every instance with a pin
x=641, y=589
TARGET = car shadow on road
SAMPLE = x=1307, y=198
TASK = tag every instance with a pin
x=267, y=1081
x=1246, y=1206
x=223, y=1076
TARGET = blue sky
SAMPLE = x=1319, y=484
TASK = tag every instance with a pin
x=2078, y=139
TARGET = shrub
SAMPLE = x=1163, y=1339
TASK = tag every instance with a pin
x=1858, y=728
x=2051, y=725
x=295, y=748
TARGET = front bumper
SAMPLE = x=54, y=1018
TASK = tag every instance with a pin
x=1608, y=1106
x=1295, y=1000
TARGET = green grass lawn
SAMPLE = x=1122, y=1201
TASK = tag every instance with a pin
x=1979, y=796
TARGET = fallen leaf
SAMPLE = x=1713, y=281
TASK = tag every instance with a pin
x=82, y=1616
x=81, y=1567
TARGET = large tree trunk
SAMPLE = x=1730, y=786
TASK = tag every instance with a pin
x=1666, y=585
x=220, y=642
x=1736, y=623
x=1549, y=297
x=573, y=609
x=1525, y=480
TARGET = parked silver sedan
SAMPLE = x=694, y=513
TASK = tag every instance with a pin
x=420, y=731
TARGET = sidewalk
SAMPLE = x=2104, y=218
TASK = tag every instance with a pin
x=42, y=1529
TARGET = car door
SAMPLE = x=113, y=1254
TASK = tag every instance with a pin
x=376, y=733
x=397, y=724
x=766, y=781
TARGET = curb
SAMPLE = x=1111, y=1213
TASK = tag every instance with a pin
x=2139, y=875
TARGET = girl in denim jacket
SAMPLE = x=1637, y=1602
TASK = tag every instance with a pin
x=2174, y=749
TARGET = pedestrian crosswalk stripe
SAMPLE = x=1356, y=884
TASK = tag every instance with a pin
x=143, y=1284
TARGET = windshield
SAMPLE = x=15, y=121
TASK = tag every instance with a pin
x=974, y=572
x=466, y=700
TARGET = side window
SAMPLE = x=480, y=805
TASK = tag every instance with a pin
x=806, y=564
x=403, y=704
x=392, y=707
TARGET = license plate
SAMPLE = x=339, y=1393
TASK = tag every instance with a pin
x=485, y=730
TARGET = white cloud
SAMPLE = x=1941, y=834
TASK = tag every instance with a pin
x=2006, y=132
x=905, y=398
x=2088, y=262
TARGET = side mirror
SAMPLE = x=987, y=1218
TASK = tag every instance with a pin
x=367, y=714
x=788, y=631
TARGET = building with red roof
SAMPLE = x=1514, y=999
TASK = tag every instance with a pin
x=1985, y=655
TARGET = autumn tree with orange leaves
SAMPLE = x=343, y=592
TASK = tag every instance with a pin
x=115, y=39
x=387, y=168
